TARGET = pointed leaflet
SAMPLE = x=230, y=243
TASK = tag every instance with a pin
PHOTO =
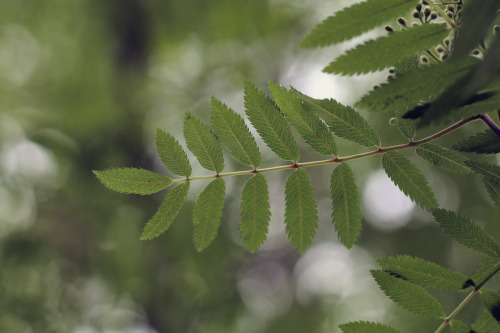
x=301, y=215
x=204, y=145
x=385, y=51
x=167, y=212
x=311, y=128
x=365, y=327
x=484, y=323
x=132, y=180
x=172, y=155
x=444, y=158
x=492, y=302
x=409, y=179
x=422, y=272
x=482, y=143
x=485, y=269
x=346, y=208
x=466, y=232
x=409, y=296
x=231, y=130
x=344, y=121
x=354, y=20
x=270, y=123
x=407, y=127
x=490, y=174
x=207, y=213
x=409, y=89
x=255, y=212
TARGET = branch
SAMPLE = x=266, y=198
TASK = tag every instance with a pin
x=491, y=124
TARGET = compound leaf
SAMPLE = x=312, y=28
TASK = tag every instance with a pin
x=422, y=272
x=167, y=212
x=354, y=20
x=172, y=155
x=409, y=296
x=255, y=212
x=385, y=51
x=231, y=130
x=133, y=181
x=343, y=120
x=444, y=158
x=490, y=174
x=409, y=179
x=485, y=142
x=203, y=144
x=366, y=327
x=207, y=213
x=301, y=215
x=310, y=127
x=270, y=123
x=466, y=232
x=346, y=213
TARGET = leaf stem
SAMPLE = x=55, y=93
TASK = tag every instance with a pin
x=338, y=159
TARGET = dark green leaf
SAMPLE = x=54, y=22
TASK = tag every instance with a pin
x=490, y=174
x=485, y=269
x=172, y=154
x=466, y=232
x=255, y=212
x=492, y=302
x=444, y=158
x=484, y=323
x=132, y=180
x=406, y=65
x=409, y=296
x=458, y=326
x=485, y=142
x=167, y=212
x=346, y=208
x=366, y=327
x=409, y=179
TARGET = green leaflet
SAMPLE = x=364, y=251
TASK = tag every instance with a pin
x=167, y=212
x=255, y=212
x=409, y=179
x=365, y=327
x=473, y=109
x=458, y=326
x=444, y=158
x=484, y=323
x=463, y=230
x=482, y=143
x=203, y=144
x=407, y=90
x=132, y=180
x=231, y=130
x=407, y=127
x=346, y=213
x=487, y=267
x=406, y=65
x=301, y=215
x=385, y=51
x=270, y=123
x=172, y=155
x=310, y=127
x=422, y=272
x=207, y=213
x=492, y=302
x=490, y=174
x=354, y=20
x=344, y=121
x=409, y=296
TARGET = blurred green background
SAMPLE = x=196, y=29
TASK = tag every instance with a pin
x=84, y=84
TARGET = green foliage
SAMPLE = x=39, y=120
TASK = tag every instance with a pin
x=492, y=302
x=490, y=174
x=458, y=326
x=488, y=265
x=444, y=158
x=172, y=155
x=484, y=323
x=386, y=51
x=365, y=326
x=301, y=215
x=482, y=143
x=133, y=181
x=346, y=208
x=409, y=179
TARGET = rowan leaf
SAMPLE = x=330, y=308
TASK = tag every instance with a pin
x=423, y=272
x=485, y=269
x=444, y=158
x=464, y=231
x=366, y=327
x=343, y=120
x=485, y=142
x=172, y=155
x=484, y=323
x=458, y=326
x=207, y=213
x=231, y=130
x=270, y=123
x=301, y=215
x=346, y=213
x=409, y=296
x=385, y=51
x=310, y=127
x=409, y=179
x=255, y=212
x=132, y=180
x=490, y=174
x=203, y=144
x=167, y=212
x=354, y=20
x=492, y=302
